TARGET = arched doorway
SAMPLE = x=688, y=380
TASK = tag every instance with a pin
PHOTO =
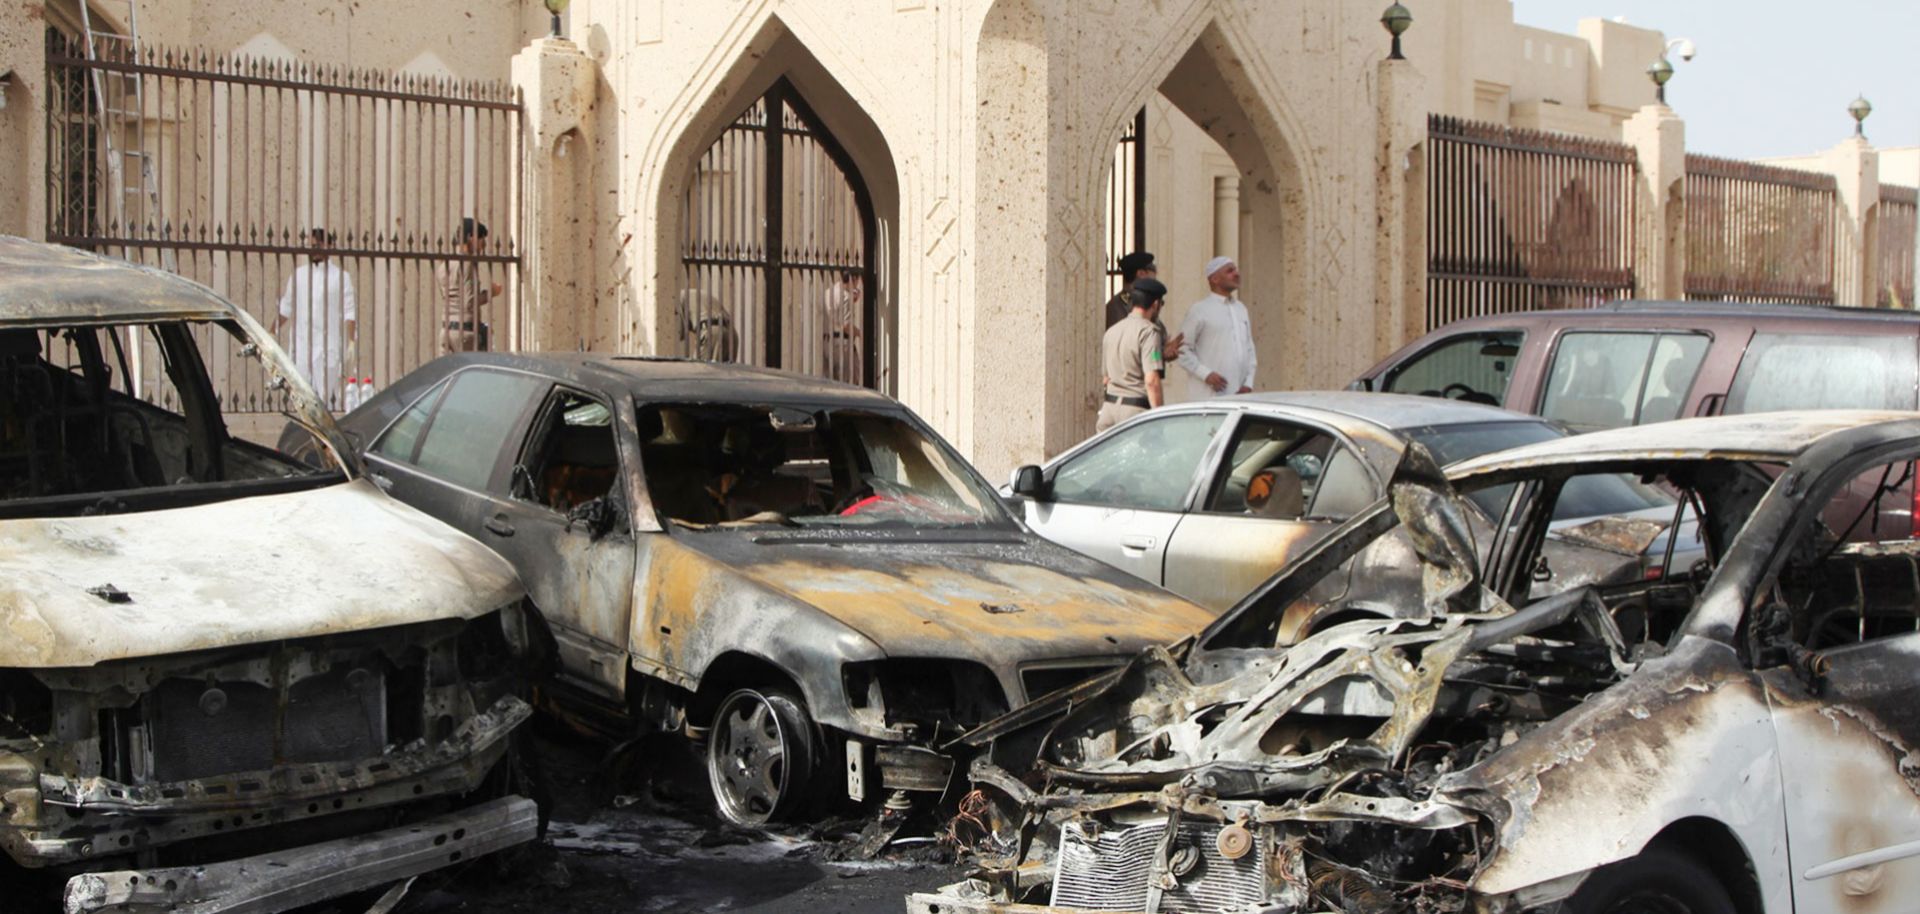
x=777, y=247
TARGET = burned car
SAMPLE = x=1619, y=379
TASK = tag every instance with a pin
x=1739, y=736
x=797, y=573
x=230, y=679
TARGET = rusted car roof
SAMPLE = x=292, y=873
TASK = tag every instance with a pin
x=1752, y=436
x=51, y=283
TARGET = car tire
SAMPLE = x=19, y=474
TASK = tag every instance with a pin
x=760, y=755
x=1659, y=881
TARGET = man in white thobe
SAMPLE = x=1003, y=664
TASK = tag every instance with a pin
x=319, y=301
x=1218, y=358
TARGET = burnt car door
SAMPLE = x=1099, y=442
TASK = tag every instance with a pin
x=1120, y=498
x=1838, y=642
x=563, y=519
x=1275, y=488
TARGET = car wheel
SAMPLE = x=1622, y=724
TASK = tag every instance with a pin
x=1656, y=882
x=759, y=756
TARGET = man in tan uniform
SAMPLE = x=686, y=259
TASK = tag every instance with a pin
x=1131, y=359
x=461, y=295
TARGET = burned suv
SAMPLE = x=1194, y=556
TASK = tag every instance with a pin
x=1738, y=735
x=228, y=678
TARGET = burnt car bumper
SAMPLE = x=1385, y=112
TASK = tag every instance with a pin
x=301, y=876
x=53, y=820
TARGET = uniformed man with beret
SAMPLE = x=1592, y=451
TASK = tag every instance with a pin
x=1131, y=357
x=1133, y=267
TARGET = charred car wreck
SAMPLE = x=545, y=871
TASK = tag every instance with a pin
x=221, y=663
x=1734, y=736
x=797, y=573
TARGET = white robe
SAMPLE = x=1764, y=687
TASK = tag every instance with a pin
x=1219, y=340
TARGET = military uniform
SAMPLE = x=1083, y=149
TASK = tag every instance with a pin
x=1128, y=352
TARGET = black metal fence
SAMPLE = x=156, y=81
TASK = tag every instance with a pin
x=1127, y=198
x=1899, y=225
x=1760, y=232
x=1521, y=219
x=220, y=168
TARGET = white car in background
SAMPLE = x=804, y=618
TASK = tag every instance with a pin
x=1210, y=498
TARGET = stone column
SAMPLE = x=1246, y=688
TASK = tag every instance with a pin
x=1855, y=166
x=556, y=80
x=23, y=117
x=1400, y=284
x=1226, y=216
x=1659, y=137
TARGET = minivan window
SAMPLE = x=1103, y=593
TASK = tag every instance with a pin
x=1475, y=367
x=1792, y=371
x=1610, y=379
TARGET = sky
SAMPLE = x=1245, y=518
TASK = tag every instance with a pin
x=1773, y=77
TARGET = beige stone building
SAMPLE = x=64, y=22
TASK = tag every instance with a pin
x=921, y=195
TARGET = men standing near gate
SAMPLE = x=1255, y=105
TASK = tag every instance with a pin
x=840, y=331
x=1219, y=358
x=319, y=300
x=1133, y=268
x=460, y=293
x=1131, y=358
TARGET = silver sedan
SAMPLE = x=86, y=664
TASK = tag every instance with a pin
x=1210, y=498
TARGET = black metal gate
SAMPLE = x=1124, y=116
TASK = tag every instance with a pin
x=1520, y=219
x=221, y=168
x=1127, y=198
x=777, y=247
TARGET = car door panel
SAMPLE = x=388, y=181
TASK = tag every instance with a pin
x=580, y=579
x=1130, y=539
x=1852, y=778
x=1120, y=498
x=1216, y=559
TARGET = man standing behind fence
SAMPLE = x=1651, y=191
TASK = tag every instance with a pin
x=318, y=299
x=460, y=291
x=1219, y=358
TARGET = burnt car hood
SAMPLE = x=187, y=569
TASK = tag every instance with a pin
x=1010, y=597
x=87, y=590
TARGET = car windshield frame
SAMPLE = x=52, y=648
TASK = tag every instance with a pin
x=201, y=412
x=988, y=512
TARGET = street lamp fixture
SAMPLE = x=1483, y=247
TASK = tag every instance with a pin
x=556, y=7
x=1660, y=71
x=1860, y=108
x=1396, y=20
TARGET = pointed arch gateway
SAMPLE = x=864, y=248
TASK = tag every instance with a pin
x=777, y=248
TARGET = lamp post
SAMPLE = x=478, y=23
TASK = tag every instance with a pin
x=1396, y=20
x=1860, y=108
x=1660, y=71
x=556, y=7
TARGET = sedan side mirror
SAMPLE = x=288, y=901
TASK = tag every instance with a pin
x=1029, y=482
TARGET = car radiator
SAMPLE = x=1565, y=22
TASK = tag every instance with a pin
x=1113, y=870
x=207, y=729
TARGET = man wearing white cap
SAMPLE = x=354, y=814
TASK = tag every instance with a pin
x=1219, y=359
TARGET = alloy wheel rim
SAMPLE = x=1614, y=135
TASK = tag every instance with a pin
x=749, y=758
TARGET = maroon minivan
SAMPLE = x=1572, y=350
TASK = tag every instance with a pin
x=1630, y=363
x=1634, y=362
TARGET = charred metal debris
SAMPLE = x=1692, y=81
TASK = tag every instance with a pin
x=1386, y=762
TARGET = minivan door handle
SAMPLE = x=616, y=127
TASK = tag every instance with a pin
x=498, y=525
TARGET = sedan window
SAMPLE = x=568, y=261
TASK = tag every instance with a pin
x=726, y=464
x=457, y=436
x=1147, y=465
x=571, y=458
x=1272, y=470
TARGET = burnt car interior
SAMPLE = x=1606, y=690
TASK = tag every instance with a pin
x=572, y=459
x=721, y=464
x=1852, y=576
x=74, y=438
